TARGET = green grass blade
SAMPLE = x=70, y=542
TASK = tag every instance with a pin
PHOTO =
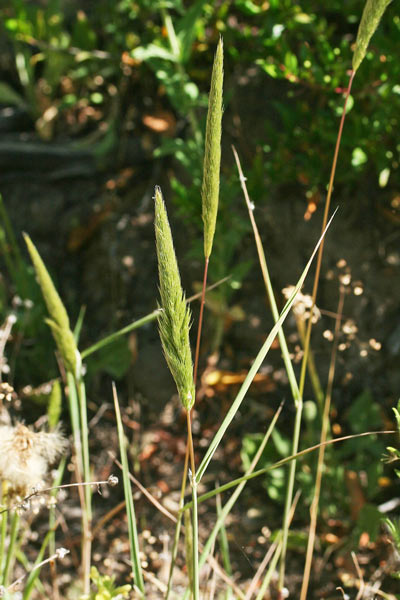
x=255, y=367
x=271, y=569
x=130, y=508
x=136, y=324
x=277, y=465
x=79, y=323
x=12, y=547
x=114, y=336
x=223, y=513
x=35, y=570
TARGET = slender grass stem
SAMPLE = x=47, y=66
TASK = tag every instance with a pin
x=178, y=523
x=143, y=321
x=87, y=512
x=4, y=523
x=11, y=547
x=268, y=576
x=324, y=221
x=130, y=507
x=193, y=483
x=312, y=369
x=230, y=503
x=274, y=553
x=224, y=545
x=114, y=336
x=200, y=326
x=321, y=452
x=73, y=404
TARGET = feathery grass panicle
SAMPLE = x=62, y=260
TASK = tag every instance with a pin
x=174, y=319
x=371, y=16
x=59, y=321
x=212, y=152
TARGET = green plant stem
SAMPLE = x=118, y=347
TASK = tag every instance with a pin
x=4, y=523
x=193, y=483
x=11, y=547
x=52, y=509
x=224, y=545
x=35, y=569
x=312, y=370
x=200, y=326
x=271, y=569
x=321, y=452
x=87, y=512
x=130, y=507
x=230, y=503
x=178, y=523
x=73, y=404
x=186, y=464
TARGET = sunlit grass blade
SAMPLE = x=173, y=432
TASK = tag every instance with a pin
x=130, y=508
x=223, y=512
x=280, y=463
x=255, y=367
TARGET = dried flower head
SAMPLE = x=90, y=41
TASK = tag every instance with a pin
x=25, y=456
x=302, y=305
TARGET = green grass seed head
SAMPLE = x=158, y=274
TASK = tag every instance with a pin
x=174, y=319
x=371, y=16
x=59, y=321
x=212, y=152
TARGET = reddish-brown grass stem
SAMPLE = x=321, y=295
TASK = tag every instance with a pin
x=324, y=222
